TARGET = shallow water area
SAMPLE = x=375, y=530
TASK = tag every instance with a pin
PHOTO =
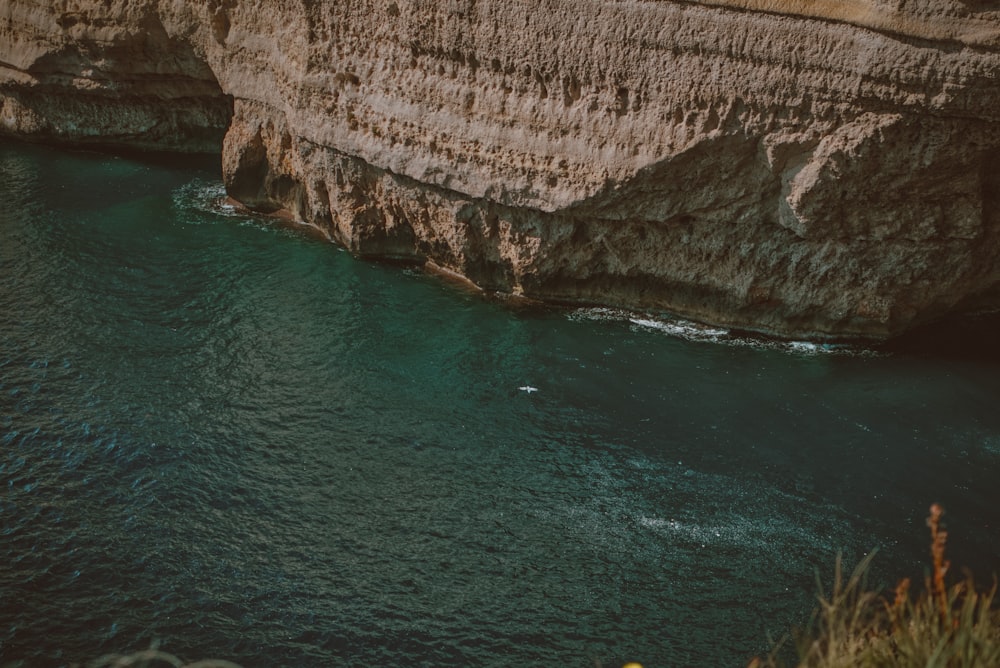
x=227, y=436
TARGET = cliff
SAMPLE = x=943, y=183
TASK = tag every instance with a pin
x=805, y=168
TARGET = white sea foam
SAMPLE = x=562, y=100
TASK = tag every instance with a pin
x=205, y=197
x=681, y=328
x=692, y=331
x=195, y=199
x=705, y=511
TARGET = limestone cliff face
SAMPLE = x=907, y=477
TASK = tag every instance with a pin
x=799, y=167
x=105, y=73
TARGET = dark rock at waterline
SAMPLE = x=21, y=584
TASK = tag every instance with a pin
x=823, y=172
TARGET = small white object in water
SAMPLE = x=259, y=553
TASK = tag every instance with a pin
x=528, y=388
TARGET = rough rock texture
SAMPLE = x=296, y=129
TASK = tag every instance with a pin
x=806, y=168
x=106, y=73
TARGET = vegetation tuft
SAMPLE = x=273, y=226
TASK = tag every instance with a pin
x=943, y=627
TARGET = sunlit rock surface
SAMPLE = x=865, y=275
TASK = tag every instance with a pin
x=803, y=168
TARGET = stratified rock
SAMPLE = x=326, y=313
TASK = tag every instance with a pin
x=801, y=168
x=105, y=73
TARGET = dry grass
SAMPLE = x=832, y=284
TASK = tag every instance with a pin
x=942, y=627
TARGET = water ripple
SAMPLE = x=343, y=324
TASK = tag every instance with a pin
x=227, y=438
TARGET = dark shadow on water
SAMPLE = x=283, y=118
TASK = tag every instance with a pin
x=204, y=162
x=207, y=162
x=966, y=338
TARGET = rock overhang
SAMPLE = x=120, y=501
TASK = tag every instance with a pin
x=818, y=170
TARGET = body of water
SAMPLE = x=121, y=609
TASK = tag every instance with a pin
x=240, y=442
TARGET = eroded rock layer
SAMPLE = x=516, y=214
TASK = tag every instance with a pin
x=807, y=169
x=106, y=73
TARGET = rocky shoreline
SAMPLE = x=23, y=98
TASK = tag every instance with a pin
x=805, y=170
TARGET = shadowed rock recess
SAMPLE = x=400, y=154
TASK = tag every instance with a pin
x=803, y=168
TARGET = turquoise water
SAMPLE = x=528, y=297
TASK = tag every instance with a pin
x=240, y=442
